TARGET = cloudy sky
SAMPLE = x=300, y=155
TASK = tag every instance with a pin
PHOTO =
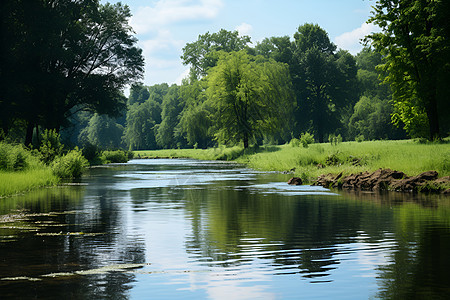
x=164, y=27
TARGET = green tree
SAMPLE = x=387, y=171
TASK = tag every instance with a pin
x=171, y=109
x=277, y=48
x=250, y=96
x=203, y=53
x=141, y=123
x=324, y=81
x=60, y=57
x=195, y=123
x=138, y=94
x=415, y=40
x=103, y=132
x=372, y=120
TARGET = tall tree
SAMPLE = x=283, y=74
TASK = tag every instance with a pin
x=73, y=55
x=141, y=124
x=171, y=109
x=203, y=53
x=250, y=96
x=324, y=81
x=415, y=39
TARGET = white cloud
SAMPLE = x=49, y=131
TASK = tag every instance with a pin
x=244, y=29
x=154, y=25
x=162, y=41
x=351, y=41
x=166, y=12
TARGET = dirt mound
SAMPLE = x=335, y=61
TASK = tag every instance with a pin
x=295, y=181
x=386, y=179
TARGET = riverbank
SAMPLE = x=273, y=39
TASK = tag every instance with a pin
x=347, y=158
x=12, y=183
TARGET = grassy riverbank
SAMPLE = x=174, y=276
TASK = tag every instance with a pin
x=407, y=156
x=21, y=181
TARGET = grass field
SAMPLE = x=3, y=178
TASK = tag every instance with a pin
x=407, y=156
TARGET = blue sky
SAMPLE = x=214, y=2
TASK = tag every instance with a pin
x=163, y=27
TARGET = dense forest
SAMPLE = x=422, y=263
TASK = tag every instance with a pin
x=66, y=67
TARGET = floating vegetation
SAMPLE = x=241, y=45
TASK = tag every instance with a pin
x=69, y=233
x=21, y=278
x=119, y=268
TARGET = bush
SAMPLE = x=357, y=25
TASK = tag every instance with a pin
x=71, y=165
x=116, y=156
x=92, y=153
x=16, y=158
x=295, y=142
x=306, y=139
x=334, y=140
x=359, y=138
x=51, y=146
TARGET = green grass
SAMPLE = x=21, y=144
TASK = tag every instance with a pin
x=407, y=156
x=20, y=181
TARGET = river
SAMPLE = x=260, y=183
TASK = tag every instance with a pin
x=155, y=229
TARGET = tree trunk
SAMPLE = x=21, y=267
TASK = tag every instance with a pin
x=433, y=117
x=245, y=140
x=29, y=134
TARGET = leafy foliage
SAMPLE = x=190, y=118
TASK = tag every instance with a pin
x=414, y=39
x=62, y=57
x=70, y=165
x=249, y=96
x=51, y=146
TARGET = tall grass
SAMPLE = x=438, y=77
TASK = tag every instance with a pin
x=20, y=170
x=407, y=156
x=21, y=181
x=350, y=157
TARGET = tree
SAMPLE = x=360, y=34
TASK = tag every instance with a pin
x=195, y=123
x=141, y=123
x=103, y=132
x=324, y=81
x=62, y=57
x=415, y=40
x=250, y=96
x=203, y=53
x=138, y=94
x=171, y=109
x=277, y=48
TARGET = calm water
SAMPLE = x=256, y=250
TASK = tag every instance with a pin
x=155, y=229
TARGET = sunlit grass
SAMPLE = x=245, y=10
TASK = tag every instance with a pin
x=407, y=156
x=20, y=181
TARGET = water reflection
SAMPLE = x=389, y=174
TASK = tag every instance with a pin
x=183, y=228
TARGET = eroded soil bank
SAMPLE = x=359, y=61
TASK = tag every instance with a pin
x=387, y=179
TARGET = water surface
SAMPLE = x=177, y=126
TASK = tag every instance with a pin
x=198, y=229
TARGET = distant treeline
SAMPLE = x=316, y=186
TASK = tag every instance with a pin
x=66, y=63
x=267, y=94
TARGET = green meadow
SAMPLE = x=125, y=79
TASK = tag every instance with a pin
x=308, y=163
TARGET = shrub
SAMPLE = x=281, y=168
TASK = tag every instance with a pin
x=91, y=152
x=359, y=138
x=334, y=140
x=16, y=158
x=51, y=146
x=116, y=156
x=306, y=139
x=71, y=165
x=295, y=142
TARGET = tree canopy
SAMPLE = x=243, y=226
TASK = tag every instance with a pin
x=203, y=53
x=250, y=96
x=415, y=40
x=59, y=57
